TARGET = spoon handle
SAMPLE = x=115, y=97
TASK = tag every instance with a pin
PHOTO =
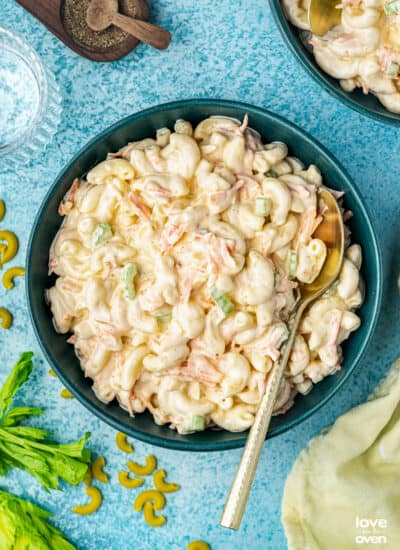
x=240, y=489
x=146, y=32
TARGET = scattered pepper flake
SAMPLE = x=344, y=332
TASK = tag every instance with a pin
x=52, y=373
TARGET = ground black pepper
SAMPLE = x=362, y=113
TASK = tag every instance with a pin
x=73, y=16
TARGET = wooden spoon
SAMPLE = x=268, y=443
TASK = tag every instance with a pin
x=331, y=232
x=103, y=13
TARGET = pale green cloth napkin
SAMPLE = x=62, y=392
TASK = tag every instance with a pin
x=343, y=492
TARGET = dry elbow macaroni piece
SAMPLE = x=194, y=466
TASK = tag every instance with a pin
x=66, y=394
x=88, y=477
x=8, y=250
x=178, y=266
x=150, y=495
x=128, y=482
x=151, y=518
x=6, y=318
x=97, y=470
x=119, y=168
x=122, y=443
x=161, y=485
x=8, y=276
x=147, y=469
x=93, y=505
x=198, y=545
x=11, y=246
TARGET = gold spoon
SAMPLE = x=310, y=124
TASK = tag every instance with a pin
x=323, y=15
x=103, y=13
x=330, y=231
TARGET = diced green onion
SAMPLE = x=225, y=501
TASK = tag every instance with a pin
x=392, y=69
x=222, y=301
x=292, y=264
x=163, y=317
x=129, y=273
x=332, y=289
x=101, y=234
x=198, y=423
x=263, y=206
x=392, y=8
x=271, y=174
x=202, y=230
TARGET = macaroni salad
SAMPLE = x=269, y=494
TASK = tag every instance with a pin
x=363, y=51
x=178, y=263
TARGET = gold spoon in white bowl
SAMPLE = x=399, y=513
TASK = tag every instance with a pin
x=331, y=232
x=323, y=15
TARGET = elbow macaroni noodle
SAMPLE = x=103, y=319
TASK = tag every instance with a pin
x=362, y=52
x=177, y=290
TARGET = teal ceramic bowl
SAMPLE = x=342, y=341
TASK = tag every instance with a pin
x=367, y=105
x=60, y=355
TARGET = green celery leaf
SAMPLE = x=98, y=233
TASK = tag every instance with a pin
x=18, y=376
x=75, y=449
x=23, y=526
x=5, y=465
x=27, y=447
x=17, y=414
x=33, y=462
x=69, y=469
x=28, y=432
x=46, y=462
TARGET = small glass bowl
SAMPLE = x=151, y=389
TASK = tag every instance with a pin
x=30, y=101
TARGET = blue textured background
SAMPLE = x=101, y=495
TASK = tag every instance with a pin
x=230, y=49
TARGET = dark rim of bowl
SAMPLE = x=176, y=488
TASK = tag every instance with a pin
x=193, y=445
x=285, y=28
